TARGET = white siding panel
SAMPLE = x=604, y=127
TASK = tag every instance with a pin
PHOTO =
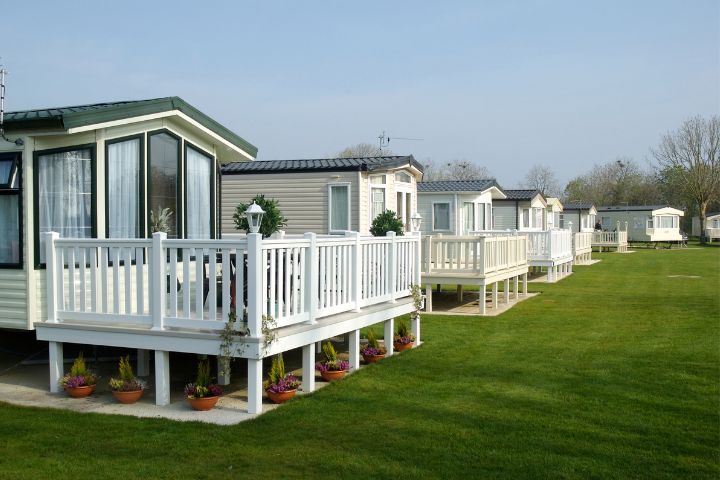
x=504, y=216
x=13, y=299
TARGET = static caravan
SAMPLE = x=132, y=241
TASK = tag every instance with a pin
x=96, y=171
x=578, y=216
x=329, y=195
x=645, y=223
x=457, y=207
x=712, y=226
x=524, y=210
x=553, y=211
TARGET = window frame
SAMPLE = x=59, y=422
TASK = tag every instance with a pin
x=348, y=185
x=6, y=189
x=213, y=212
x=379, y=186
x=179, y=201
x=449, y=229
x=36, y=192
x=473, y=216
x=142, y=181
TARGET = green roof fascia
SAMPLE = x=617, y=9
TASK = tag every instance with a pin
x=149, y=107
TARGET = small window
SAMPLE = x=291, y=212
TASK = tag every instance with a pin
x=469, y=216
x=377, y=179
x=10, y=211
x=441, y=216
x=561, y=221
x=526, y=218
x=378, y=201
x=339, y=207
x=402, y=177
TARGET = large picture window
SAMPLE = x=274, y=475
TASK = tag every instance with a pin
x=64, y=194
x=124, y=204
x=198, y=198
x=10, y=211
x=441, y=216
x=163, y=177
x=339, y=207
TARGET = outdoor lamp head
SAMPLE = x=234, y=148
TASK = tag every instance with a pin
x=416, y=220
x=254, y=216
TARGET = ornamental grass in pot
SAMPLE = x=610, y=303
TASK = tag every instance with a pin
x=128, y=388
x=79, y=382
x=280, y=386
x=330, y=367
x=372, y=351
x=203, y=394
x=403, y=339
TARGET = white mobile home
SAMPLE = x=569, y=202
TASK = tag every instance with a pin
x=96, y=171
x=578, y=216
x=327, y=196
x=457, y=207
x=644, y=223
x=712, y=226
x=553, y=211
x=524, y=210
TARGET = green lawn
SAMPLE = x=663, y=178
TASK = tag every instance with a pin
x=612, y=373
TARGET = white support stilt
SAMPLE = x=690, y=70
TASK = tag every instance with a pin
x=506, y=291
x=389, y=334
x=308, y=368
x=56, y=365
x=223, y=368
x=162, y=377
x=570, y=265
x=354, y=348
x=482, y=298
x=459, y=293
x=428, y=297
x=517, y=280
x=525, y=284
x=255, y=385
x=415, y=327
x=143, y=362
x=495, y=295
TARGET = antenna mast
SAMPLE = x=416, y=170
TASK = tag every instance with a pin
x=385, y=140
x=2, y=99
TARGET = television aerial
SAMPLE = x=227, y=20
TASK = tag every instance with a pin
x=385, y=139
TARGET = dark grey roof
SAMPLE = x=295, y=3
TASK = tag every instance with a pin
x=577, y=206
x=634, y=208
x=82, y=115
x=320, y=164
x=521, y=194
x=440, y=186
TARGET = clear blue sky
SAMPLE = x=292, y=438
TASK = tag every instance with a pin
x=504, y=84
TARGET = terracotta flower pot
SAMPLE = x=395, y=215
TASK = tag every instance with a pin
x=281, y=397
x=128, y=397
x=372, y=358
x=80, y=392
x=332, y=375
x=401, y=347
x=204, y=403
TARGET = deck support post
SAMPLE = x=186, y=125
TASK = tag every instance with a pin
x=308, y=368
x=255, y=278
x=157, y=287
x=495, y=295
x=428, y=297
x=481, y=298
x=415, y=326
x=162, y=377
x=55, y=352
x=223, y=368
x=143, y=362
x=459, y=293
x=506, y=290
x=515, y=290
x=389, y=334
x=525, y=285
x=354, y=349
x=255, y=385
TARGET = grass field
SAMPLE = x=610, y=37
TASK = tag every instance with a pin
x=613, y=372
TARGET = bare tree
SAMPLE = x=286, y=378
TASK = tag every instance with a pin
x=542, y=178
x=453, y=170
x=362, y=150
x=614, y=183
x=693, y=153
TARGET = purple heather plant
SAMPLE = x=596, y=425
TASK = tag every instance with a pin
x=198, y=391
x=372, y=351
x=404, y=340
x=289, y=382
x=74, y=382
x=337, y=366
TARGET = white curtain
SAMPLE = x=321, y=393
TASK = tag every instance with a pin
x=378, y=201
x=65, y=195
x=124, y=189
x=199, y=213
x=339, y=211
x=9, y=229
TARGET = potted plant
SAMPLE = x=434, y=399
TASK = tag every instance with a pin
x=372, y=351
x=79, y=382
x=330, y=367
x=128, y=388
x=403, y=339
x=203, y=395
x=280, y=387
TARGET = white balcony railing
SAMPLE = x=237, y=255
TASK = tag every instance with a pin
x=475, y=255
x=602, y=239
x=165, y=283
x=582, y=242
x=712, y=232
x=549, y=244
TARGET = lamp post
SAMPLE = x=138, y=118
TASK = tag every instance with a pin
x=415, y=220
x=254, y=216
